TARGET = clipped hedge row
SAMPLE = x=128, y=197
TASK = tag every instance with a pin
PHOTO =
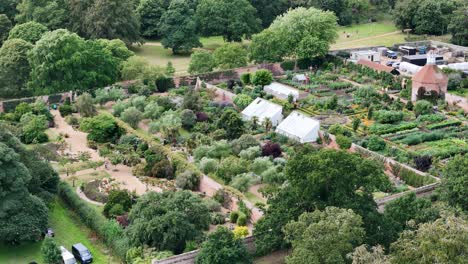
x=447, y=123
x=339, y=85
x=410, y=177
x=381, y=129
x=108, y=230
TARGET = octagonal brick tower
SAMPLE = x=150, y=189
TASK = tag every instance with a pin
x=428, y=80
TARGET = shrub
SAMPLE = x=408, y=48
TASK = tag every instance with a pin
x=163, y=84
x=447, y=123
x=260, y=165
x=188, y=180
x=250, y=153
x=50, y=251
x=132, y=116
x=339, y=85
x=101, y=128
x=217, y=218
x=242, y=220
x=262, y=77
x=423, y=163
x=208, y=165
x=117, y=197
x=246, y=78
x=422, y=107
x=271, y=149
x=242, y=182
x=212, y=205
x=343, y=142
x=188, y=118
x=234, y=216
x=240, y=232
x=386, y=117
x=72, y=120
x=336, y=129
x=376, y=143
x=288, y=65
x=65, y=110
x=410, y=177
x=242, y=100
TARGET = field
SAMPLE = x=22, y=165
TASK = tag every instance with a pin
x=156, y=54
x=68, y=231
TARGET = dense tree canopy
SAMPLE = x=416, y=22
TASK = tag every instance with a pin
x=232, y=55
x=458, y=27
x=324, y=236
x=214, y=21
x=221, y=247
x=23, y=216
x=424, y=16
x=14, y=68
x=150, y=12
x=8, y=7
x=299, y=33
x=324, y=178
x=50, y=13
x=62, y=61
x=30, y=31
x=167, y=220
x=455, y=182
x=113, y=19
x=268, y=10
x=201, y=62
x=5, y=26
x=179, y=28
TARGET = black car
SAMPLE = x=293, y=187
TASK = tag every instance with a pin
x=81, y=253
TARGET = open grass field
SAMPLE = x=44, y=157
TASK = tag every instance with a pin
x=68, y=231
x=157, y=55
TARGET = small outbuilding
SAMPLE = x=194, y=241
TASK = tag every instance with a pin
x=301, y=79
x=282, y=91
x=263, y=109
x=378, y=67
x=368, y=55
x=299, y=127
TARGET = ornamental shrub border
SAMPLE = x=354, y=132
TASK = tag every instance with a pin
x=410, y=177
x=108, y=230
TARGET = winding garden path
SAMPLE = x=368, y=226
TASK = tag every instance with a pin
x=76, y=142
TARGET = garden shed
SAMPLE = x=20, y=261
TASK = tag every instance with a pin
x=282, y=91
x=300, y=79
x=299, y=127
x=263, y=109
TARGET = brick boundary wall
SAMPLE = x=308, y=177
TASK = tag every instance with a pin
x=44, y=98
x=189, y=257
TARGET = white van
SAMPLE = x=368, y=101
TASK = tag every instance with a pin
x=67, y=257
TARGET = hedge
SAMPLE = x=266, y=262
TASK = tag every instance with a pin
x=9, y=106
x=447, y=123
x=381, y=129
x=410, y=177
x=108, y=230
x=339, y=85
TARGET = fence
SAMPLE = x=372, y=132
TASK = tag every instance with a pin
x=189, y=257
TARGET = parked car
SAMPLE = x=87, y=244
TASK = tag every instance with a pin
x=390, y=63
x=67, y=257
x=82, y=254
x=392, y=54
x=396, y=65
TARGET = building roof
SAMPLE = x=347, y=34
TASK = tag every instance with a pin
x=374, y=65
x=430, y=74
x=280, y=88
x=300, y=77
x=262, y=108
x=364, y=52
x=298, y=124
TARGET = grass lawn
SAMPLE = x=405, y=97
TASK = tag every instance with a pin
x=253, y=198
x=157, y=55
x=68, y=231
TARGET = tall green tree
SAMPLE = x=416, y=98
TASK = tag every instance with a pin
x=230, y=55
x=5, y=26
x=23, y=216
x=324, y=236
x=8, y=7
x=167, y=220
x=318, y=179
x=442, y=241
x=211, y=15
x=268, y=10
x=150, y=13
x=50, y=13
x=14, y=68
x=232, y=123
x=113, y=19
x=458, y=26
x=454, y=187
x=77, y=11
x=178, y=28
x=221, y=247
x=30, y=31
x=299, y=33
x=62, y=61
x=201, y=62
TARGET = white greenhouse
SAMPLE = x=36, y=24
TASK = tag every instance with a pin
x=299, y=127
x=281, y=91
x=263, y=109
